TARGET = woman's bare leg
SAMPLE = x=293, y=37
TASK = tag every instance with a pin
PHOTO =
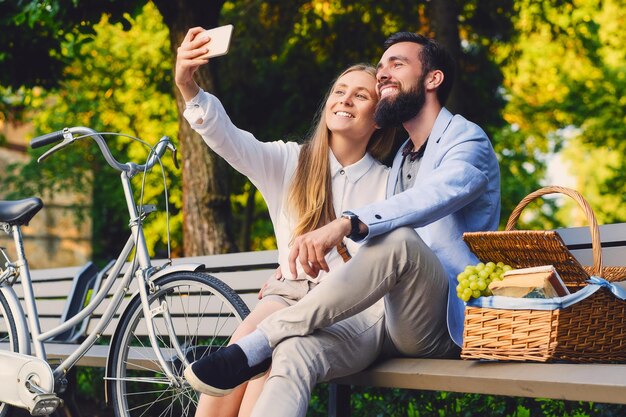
x=252, y=394
x=229, y=405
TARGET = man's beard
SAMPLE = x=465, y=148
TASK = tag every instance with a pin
x=393, y=111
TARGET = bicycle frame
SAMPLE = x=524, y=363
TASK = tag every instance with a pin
x=143, y=271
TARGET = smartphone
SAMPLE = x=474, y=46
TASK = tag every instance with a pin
x=220, y=40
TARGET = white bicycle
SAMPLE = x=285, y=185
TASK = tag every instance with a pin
x=156, y=337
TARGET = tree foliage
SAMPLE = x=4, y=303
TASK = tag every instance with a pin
x=285, y=54
x=119, y=81
x=206, y=223
x=382, y=402
x=302, y=40
x=39, y=38
x=565, y=82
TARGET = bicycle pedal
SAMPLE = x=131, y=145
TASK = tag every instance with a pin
x=44, y=404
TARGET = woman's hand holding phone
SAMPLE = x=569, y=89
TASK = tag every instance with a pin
x=197, y=47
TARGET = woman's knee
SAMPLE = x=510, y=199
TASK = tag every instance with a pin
x=250, y=323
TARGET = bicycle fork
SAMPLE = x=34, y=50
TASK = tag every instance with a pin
x=150, y=314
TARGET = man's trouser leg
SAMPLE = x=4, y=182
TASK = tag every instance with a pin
x=398, y=266
x=299, y=363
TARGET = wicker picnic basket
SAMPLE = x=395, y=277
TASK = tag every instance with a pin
x=592, y=330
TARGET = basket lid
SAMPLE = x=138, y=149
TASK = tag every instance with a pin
x=527, y=248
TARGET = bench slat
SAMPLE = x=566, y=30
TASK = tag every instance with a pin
x=47, y=289
x=51, y=307
x=240, y=261
x=55, y=273
x=613, y=237
x=578, y=382
x=207, y=326
x=245, y=280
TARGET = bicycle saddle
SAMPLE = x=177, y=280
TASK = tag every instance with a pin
x=19, y=212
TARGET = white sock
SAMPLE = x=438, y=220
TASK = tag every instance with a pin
x=256, y=347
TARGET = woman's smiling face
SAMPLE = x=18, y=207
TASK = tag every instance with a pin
x=351, y=104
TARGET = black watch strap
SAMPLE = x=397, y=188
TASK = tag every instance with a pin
x=355, y=232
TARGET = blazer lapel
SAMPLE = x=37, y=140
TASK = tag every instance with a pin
x=444, y=118
x=395, y=170
x=439, y=128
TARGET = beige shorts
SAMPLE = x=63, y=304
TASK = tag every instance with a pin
x=287, y=291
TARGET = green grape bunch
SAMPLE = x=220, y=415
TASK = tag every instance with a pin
x=475, y=279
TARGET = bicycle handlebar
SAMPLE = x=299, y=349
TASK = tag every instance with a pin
x=46, y=139
x=67, y=137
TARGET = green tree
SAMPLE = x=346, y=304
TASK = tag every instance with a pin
x=120, y=81
x=39, y=38
x=277, y=45
x=284, y=54
x=565, y=82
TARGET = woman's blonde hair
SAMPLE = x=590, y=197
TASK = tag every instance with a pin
x=310, y=197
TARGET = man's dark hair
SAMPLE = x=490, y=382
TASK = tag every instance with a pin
x=433, y=57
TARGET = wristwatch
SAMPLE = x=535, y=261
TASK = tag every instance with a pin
x=355, y=232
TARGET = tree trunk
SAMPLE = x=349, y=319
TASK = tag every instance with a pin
x=206, y=194
x=444, y=23
x=245, y=241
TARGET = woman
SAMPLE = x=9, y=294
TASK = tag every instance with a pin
x=305, y=186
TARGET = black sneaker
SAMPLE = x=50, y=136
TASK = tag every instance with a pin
x=221, y=372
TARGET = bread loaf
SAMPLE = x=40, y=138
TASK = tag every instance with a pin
x=536, y=282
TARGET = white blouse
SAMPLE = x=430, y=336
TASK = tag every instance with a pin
x=270, y=166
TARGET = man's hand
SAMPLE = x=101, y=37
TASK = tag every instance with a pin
x=188, y=61
x=310, y=248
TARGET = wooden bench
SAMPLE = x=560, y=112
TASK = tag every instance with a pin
x=61, y=292
x=245, y=272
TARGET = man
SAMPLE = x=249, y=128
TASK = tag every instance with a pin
x=397, y=295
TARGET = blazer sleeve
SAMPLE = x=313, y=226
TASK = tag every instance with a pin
x=458, y=179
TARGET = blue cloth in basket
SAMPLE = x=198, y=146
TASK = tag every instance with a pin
x=511, y=303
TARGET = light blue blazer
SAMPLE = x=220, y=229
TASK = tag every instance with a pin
x=457, y=190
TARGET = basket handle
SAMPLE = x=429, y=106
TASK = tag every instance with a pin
x=596, y=246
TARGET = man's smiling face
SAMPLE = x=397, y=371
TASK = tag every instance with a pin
x=400, y=84
x=399, y=69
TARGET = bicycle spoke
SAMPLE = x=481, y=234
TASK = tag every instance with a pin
x=146, y=380
x=150, y=402
x=161, y=398
x=170, y=407
x=143, y=356
x=142, y=392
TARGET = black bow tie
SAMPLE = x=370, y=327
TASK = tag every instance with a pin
x=406, y=151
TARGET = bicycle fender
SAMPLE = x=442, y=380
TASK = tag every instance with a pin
x=189, y=267
x=23, y=335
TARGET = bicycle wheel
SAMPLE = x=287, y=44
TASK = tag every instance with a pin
x=8, y=338
x=205, y=312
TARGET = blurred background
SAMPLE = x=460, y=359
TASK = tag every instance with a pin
x=545, y=79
